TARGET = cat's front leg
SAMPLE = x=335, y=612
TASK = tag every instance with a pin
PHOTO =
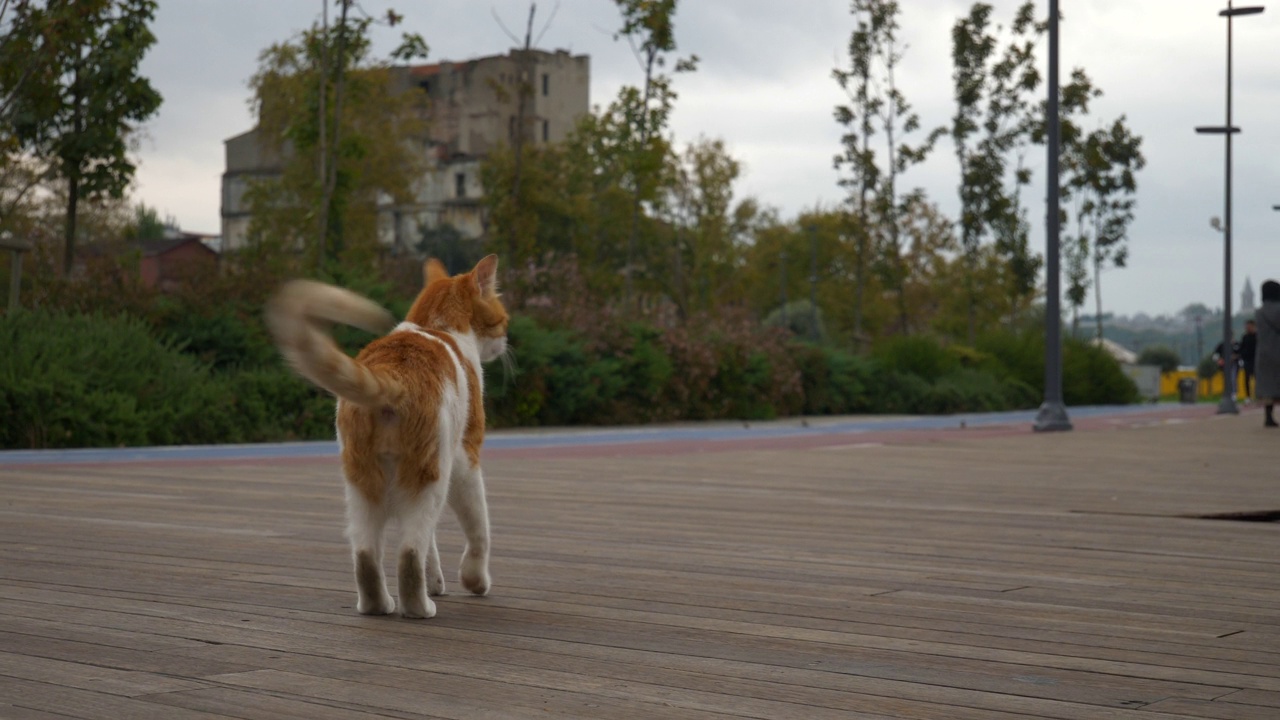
x=466, y=497
x=435, y=573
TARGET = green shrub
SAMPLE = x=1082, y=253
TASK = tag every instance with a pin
x=1208, y=368
x=1090, y=376
x=220, y=339
x=1166, y=357
x=899, y=393
x=273, y=404
x=555, y=380
x=92, y=381
x=834, y=382
x=916, y=355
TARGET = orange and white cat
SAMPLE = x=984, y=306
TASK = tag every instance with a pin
x=410, y=420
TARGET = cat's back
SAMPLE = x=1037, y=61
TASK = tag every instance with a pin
x=432, y=380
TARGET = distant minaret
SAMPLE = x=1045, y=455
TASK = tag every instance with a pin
x=1246, y=297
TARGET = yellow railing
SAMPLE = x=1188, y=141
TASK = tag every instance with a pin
x=1212, y=386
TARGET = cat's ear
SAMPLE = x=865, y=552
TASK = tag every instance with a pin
x=486, y=276
x=432, y=271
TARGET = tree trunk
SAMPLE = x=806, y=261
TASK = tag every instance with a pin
x=973, y=299
x=1097, y=292
x=635, y=201
x=323, y=174
x=332, y=238
x=73, y=176
x=69, y=237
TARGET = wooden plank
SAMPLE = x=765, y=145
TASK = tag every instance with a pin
x=88, y=676
x=1212, y=709
x=253, y=705
x=451, y=701
x=88, y=705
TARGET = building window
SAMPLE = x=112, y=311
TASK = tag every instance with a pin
x=460, y=185
x=546, y=84
x=546, y=130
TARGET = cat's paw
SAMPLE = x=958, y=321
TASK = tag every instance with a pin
x=474, y=575
x=435, y=583
x=379, y=606
x=418, y=608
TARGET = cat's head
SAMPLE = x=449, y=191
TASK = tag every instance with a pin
x=464, y=303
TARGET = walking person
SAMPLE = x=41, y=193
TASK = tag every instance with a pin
x=1248, y=353
x=1267, y=358
x=1227, y=362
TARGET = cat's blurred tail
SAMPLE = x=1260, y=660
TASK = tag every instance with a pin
x=298, y=318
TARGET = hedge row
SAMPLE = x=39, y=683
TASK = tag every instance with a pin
x=71, y=380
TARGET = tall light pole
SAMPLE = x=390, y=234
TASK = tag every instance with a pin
x=1228, y=403
x=1053, y=413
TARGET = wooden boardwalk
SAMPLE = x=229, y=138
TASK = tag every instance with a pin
x=987, y=577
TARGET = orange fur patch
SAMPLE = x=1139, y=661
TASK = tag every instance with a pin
x=419, y=370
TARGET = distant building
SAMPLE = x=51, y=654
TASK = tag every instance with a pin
x=1246, y=297
x=166, y=263
x=163, y=264
x=472, y=111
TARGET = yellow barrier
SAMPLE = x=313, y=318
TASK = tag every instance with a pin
x=1210, y=387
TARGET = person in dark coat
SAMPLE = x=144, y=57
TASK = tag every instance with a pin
x=1267, y=358
x=1248, y=351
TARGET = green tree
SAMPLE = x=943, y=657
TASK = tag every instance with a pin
x=898, y=120
x=81, y=106
x=147, y=224
x=860, y=173
x=340, y=157
x=649, y=26
x=993, y=120
x=1113, y=156
x=1012, y=121
x=1163, y=355
x=708, y=229
x=1074, y=98
x=972, y=46
x=1075, y=252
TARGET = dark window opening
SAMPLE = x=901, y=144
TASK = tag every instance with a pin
x=546, y=130
x=546, y=84
x=460, y=185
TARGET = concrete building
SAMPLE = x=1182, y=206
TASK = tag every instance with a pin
x=473, y=109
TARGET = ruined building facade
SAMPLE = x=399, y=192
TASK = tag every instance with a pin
x=473, y=109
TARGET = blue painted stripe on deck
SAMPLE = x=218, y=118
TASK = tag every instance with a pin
x=569, y=437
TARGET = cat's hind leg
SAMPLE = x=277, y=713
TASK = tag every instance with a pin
x=466, y=497
x=365, y=523
x=418, y=510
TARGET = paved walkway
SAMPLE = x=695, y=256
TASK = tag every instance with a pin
x=557, y=442
x=909, y=569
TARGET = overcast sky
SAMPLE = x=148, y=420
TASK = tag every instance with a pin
x=764, y=86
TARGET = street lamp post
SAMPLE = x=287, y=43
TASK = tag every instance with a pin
x=1053, y=413
x=1228, y=402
